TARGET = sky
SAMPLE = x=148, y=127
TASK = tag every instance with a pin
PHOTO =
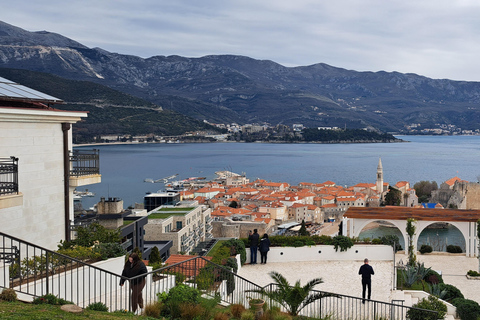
x=438, y=39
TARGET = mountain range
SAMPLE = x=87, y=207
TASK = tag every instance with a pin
x=230, y=88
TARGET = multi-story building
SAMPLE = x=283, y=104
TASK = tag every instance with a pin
x=186, y=225
x=39, y=168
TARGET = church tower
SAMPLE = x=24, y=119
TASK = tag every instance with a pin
x=379, y=184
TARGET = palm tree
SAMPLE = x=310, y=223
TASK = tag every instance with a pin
x=293, y=298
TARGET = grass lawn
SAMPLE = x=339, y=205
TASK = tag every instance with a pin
x=20, y=310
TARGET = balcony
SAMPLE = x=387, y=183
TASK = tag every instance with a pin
x=208, y=228
x=8, y=176
x=9, y=192
x=84, y=167
x=208, y=220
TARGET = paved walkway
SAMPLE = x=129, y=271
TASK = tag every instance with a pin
x=342, y=276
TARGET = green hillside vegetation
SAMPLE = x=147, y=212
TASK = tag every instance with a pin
x=347, y=135
x=110, y=112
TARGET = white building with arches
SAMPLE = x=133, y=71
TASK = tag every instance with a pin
x=357, y=218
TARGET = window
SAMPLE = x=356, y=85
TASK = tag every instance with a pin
x=179, y=225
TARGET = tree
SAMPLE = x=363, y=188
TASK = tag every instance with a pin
x=303, y=230
x=293, y=298
x=412, y=258
x=423, y=190
x=154, y=256
x=393, y=197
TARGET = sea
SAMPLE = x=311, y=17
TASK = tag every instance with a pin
x=125, y=167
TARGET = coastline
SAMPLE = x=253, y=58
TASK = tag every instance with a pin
x=275, y=142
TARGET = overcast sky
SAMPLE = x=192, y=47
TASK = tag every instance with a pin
x=435, y=38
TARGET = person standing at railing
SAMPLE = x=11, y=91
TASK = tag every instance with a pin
x=366, y=271
x=135, y=267
x=264, y=247
x=253, y=238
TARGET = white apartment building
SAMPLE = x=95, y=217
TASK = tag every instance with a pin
x=39, y=169
x=185, y=228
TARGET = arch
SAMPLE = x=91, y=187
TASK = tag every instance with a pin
x=458, y=226
x=394, y=223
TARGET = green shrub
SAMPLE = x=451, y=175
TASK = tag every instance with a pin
x=466, y=309
x=390, y=240
x=298, y=243
x=8, y=294
x=432, y=303
x=377, y=241
x=176, y=297
x=452, y=292
x=425, y=248
x=80, y=253
x=342, y=242
x=109, y=250
x=236, y=246
x=473, y=273
x=433, y=277
x=154, y=256
x=97, y=306
x=454, y=249
x=46, y=299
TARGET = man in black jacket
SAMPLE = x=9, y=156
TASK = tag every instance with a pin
x=253, y=238
x=366, y=271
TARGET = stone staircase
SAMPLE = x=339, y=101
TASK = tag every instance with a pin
x=411, y=297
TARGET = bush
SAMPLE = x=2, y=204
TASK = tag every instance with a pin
x=153, y=310
x=109, y=250
x=432, y=303
x=46, y=299
x=177, y=296
x=298, y=243
x=236, y=246
x=390, y=240
x=452, y=292
x=377, y=241
x=433, y=277
x=97, y=306
x=472, y=273
x=454, y=249
x=425, y=248
x=467, y=309
x=8, y=295
x=342, y=242
x=237, y=310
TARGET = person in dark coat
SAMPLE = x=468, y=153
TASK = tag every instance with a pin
x=264, y=247
x=253, y=238
x=366, y=271
x=135, y=267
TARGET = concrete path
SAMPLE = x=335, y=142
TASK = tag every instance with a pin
x=342, y=276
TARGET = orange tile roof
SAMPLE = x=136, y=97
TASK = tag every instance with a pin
x=403, y=213
x=401, y=184
x=329, y=205
x=188, y=269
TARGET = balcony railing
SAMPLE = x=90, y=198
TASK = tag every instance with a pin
x=84, y=162
x=8, y=176
x=35, y=271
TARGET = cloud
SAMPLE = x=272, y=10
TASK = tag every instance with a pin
x=435, y=38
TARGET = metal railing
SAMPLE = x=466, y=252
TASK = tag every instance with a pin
x=338, y=306
x=84, y=162
x=34, y=271
x=8, y=175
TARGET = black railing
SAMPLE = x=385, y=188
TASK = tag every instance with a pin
x=34, y=271
x=84, y=162
x=338, y=306
x=8, y=176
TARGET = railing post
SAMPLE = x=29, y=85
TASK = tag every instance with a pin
x=47, y=287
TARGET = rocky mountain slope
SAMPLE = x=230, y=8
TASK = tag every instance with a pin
x=228, y=88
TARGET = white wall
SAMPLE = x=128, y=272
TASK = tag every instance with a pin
x=39, y=148
x=321, y=253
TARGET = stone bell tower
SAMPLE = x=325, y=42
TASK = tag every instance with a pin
x=379, y=184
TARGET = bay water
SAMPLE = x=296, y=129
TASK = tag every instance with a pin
x=124, y=167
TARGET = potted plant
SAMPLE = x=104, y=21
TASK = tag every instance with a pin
x=257, y=305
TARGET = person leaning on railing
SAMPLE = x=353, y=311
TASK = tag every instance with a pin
x=135, y=267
